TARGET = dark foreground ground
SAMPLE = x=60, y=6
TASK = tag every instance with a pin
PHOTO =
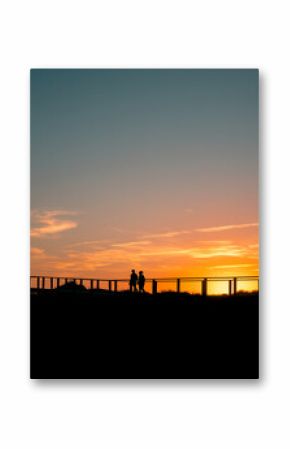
x=90, y=334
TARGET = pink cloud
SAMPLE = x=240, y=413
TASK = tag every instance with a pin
x=51, y=222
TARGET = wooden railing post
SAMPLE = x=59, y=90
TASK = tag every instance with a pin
x=230, y=287
x=43, y=282
x=204, y=287
x=115, y=286
x=38, y=282
x=57, y=282
x=92, y=284
x=98, y=285
x=110, y=286
x=51, y=283
x=81, y=282
x=178, y=285
x=65, y=281
x=154, y=287
x=235, y=286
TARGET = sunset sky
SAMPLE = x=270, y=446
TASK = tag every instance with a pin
x=146, y=169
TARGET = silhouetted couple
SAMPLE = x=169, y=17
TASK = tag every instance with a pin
x=135, y=279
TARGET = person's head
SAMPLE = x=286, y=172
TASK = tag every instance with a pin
x=133, y=271
x=140, y=272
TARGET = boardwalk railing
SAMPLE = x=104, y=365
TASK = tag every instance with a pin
x=233, y=282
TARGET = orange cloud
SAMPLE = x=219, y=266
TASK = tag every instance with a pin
x=37, y=252
x=168, y=234
x=170, y=253
x=239, y=265
x=206, y=251
x=227, y=227
x=136, y=243
x=51, y=222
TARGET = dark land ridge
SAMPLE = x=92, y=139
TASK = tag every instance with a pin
x=96, y=334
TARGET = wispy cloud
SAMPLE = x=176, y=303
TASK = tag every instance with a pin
x=136, y=243
x=167, y=234
x=89, y=243
x=239, y=265
x=45, y=223
x=37, y=252
x=218, y=251
x=227, y=227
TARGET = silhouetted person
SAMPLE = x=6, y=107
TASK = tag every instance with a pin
x=133, y=281
x=141, y=281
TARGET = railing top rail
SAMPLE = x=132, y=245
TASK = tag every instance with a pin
x=161, y=279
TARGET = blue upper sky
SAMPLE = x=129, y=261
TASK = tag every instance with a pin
x=134, y=149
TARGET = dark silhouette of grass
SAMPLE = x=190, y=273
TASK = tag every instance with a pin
x=79, y=333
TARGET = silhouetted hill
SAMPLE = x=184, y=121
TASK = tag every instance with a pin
x=71, y=287
x=79, y=333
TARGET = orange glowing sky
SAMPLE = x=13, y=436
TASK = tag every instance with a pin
x=229, y=249
x=154, y=170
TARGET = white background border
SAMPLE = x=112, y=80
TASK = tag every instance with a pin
x=131, y=414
